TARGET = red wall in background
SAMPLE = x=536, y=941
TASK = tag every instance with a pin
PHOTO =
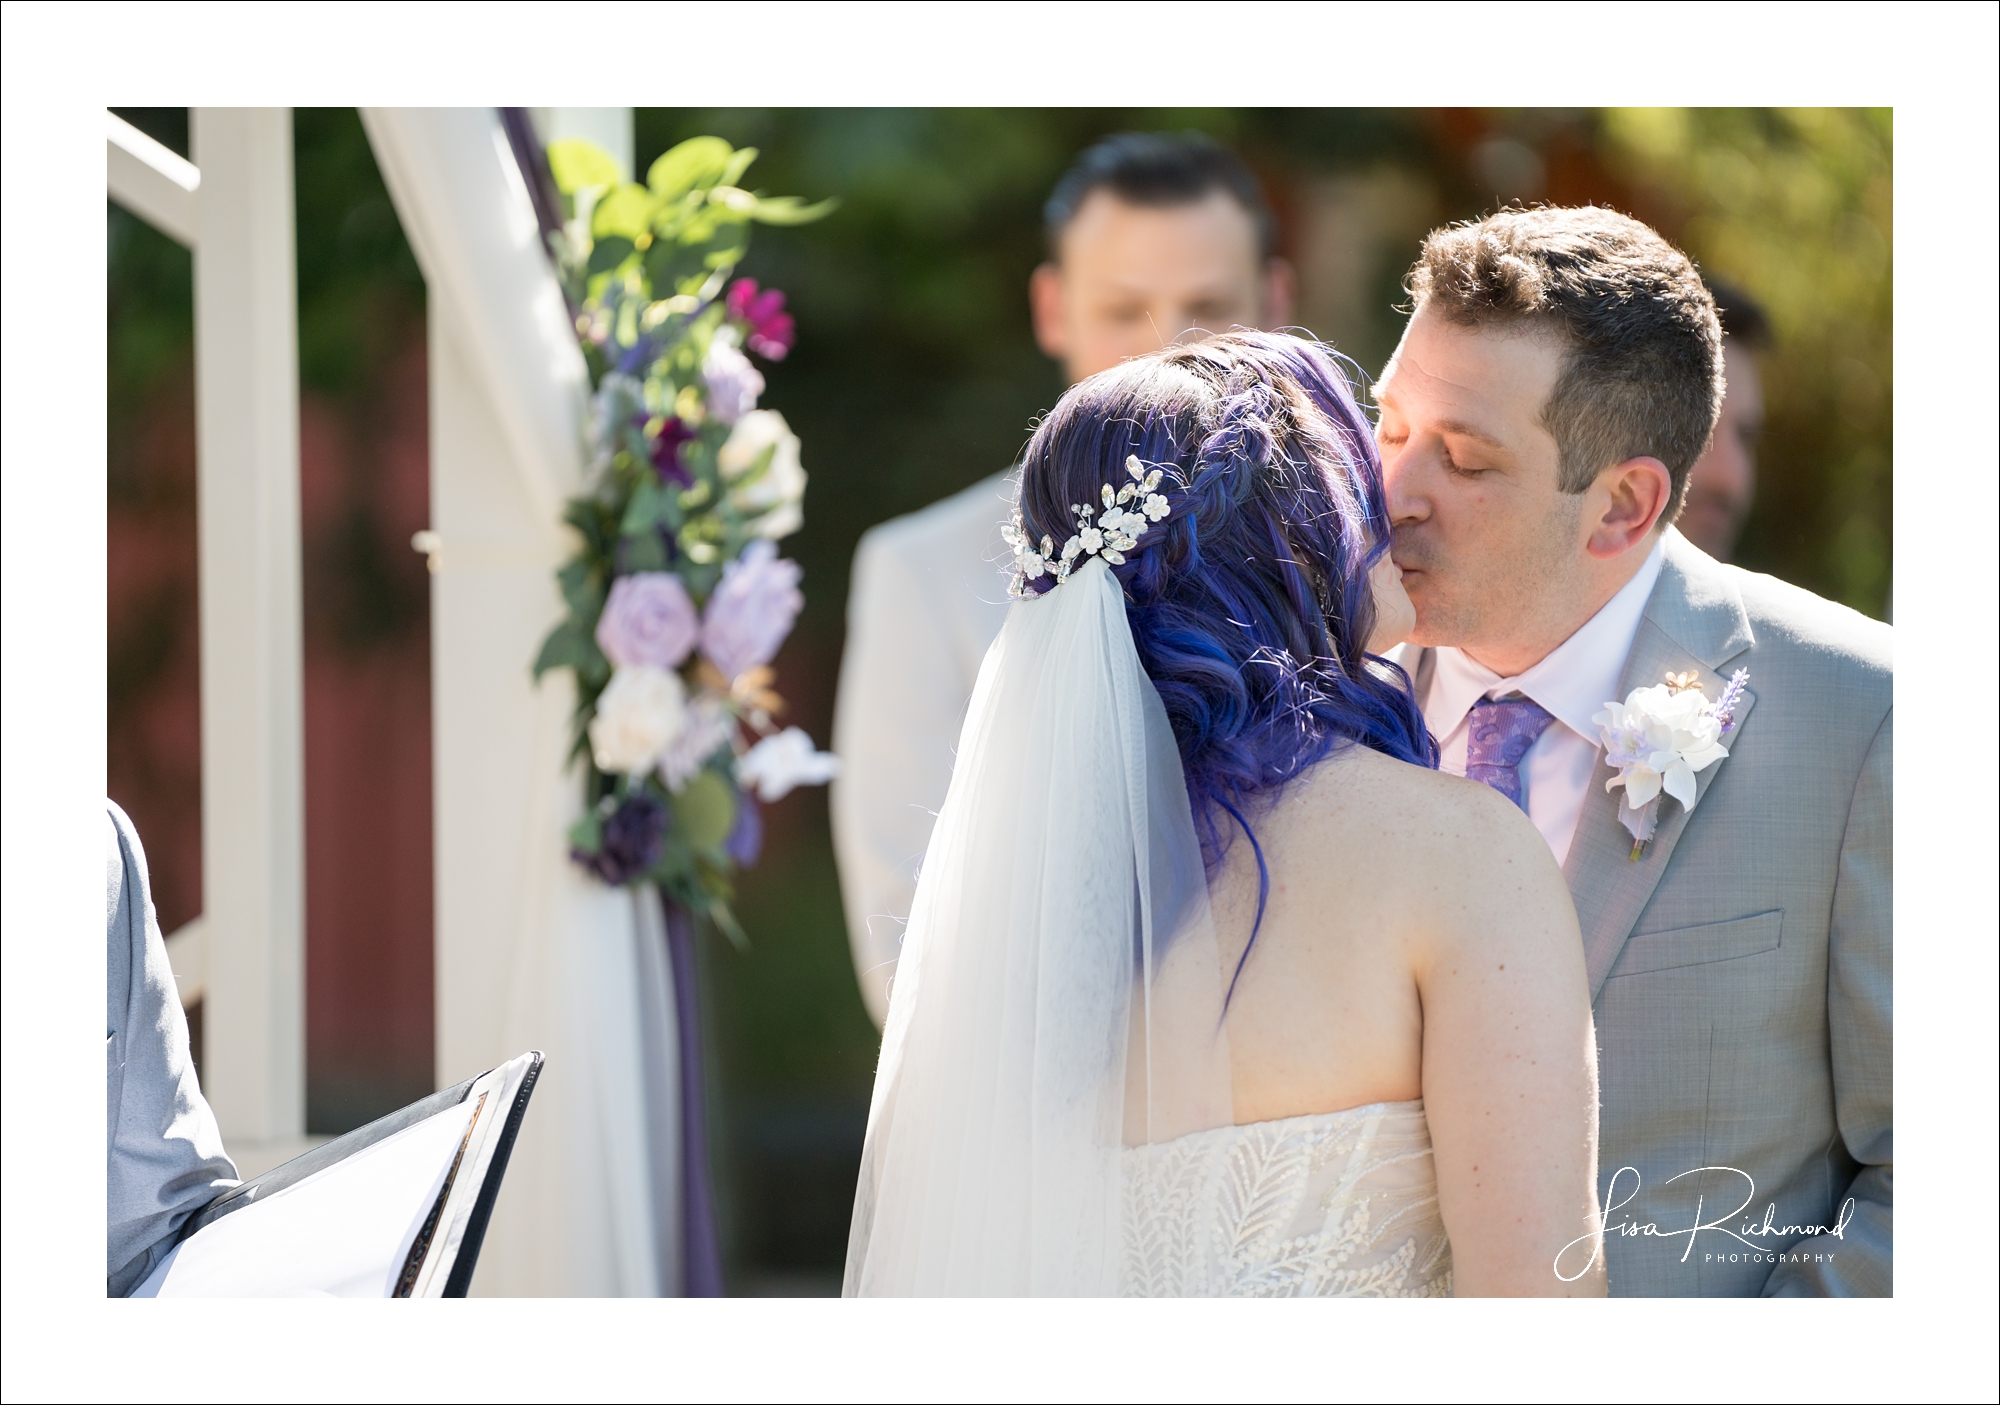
x=364, y=490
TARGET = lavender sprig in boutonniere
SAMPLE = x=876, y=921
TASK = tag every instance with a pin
x=1659, y=738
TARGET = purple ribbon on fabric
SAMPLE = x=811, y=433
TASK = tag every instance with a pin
x=1498, y=735
x=701, y=1246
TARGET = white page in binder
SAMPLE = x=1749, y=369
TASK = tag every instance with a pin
x=344, y=1232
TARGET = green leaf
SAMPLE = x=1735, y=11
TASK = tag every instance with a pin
x=726, y=923
x=696, y=164
x=582, y=591
x=708, y=245
x=568, y=646
x=648, y=505
x=738, y=164
x=589, y=516
x=789, y=209
x=668, y=265
x=578, y=165
x=626, y=212
x=608, y=253
x=587, y=833
x=726, y=246
x=676, y=864
x=704, y=812
x=645, y=552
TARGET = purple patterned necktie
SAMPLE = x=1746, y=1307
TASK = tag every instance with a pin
x=1499, y=735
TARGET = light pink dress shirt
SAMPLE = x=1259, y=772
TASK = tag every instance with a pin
x=1574, y=683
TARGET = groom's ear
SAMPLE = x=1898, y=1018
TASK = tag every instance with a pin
x=1045, y=303
x=1624, y=505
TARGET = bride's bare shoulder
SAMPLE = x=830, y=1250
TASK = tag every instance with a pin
x=1414, y=820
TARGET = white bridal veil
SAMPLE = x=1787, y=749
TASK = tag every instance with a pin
x=1059, y=996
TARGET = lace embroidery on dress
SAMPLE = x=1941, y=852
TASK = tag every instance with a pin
x=1339, y=1204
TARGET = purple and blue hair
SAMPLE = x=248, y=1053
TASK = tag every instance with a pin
x=1250, y=605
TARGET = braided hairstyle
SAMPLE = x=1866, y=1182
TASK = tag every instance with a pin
x=1250, y=605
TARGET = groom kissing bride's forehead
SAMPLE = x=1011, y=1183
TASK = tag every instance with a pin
x=1560, y=375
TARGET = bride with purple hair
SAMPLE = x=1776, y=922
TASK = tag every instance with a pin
x=1214, y=985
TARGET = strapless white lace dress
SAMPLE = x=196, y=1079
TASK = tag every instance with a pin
x=1338, y=1204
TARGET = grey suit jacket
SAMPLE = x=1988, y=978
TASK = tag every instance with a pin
x=1740, y=969
x=164, y=1157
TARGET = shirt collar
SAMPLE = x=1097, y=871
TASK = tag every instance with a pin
x=1574, y=682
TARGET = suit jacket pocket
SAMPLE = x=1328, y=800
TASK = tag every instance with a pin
x=1698, y=946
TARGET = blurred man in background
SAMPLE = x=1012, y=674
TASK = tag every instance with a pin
x=1150, y=237
x=1723, y=482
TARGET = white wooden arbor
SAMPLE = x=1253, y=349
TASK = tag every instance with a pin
x=528, y=953
x=244, y=956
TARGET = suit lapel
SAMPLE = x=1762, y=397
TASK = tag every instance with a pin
x=1694, y=622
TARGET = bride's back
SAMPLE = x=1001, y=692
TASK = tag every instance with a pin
x=1378, y=870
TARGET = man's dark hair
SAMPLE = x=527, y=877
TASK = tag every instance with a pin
x=1158, y=170
x=1742, y=316
x=1642, y=374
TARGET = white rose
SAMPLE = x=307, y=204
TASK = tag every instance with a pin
x=639, y=715
x=773, y=496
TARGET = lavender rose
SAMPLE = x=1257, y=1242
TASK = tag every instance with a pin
x=633, y=837
x=752, y=610
x=733, y=383
x=647, y=621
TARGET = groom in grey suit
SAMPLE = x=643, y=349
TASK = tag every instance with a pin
x=1558, y=379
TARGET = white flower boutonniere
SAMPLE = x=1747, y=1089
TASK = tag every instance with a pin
x=1659, y=738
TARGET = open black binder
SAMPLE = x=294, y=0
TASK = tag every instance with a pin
x=397, y=1209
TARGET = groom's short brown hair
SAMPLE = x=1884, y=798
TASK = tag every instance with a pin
x=1643, y=369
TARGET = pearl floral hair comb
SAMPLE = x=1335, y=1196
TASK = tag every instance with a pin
x=1115, y=530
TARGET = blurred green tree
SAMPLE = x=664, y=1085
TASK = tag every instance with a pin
x=1795, y=205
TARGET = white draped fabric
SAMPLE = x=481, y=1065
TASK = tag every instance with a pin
x=530, y=953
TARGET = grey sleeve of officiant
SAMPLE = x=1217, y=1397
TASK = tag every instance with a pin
x=164, y=1151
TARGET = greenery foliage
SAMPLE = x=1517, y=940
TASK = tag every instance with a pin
x=645, y=268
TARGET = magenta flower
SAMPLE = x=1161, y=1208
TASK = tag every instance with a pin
x=769, y=329
x=752, y=610
x=647, y=621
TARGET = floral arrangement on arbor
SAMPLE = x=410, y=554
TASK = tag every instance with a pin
x=677, y=597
